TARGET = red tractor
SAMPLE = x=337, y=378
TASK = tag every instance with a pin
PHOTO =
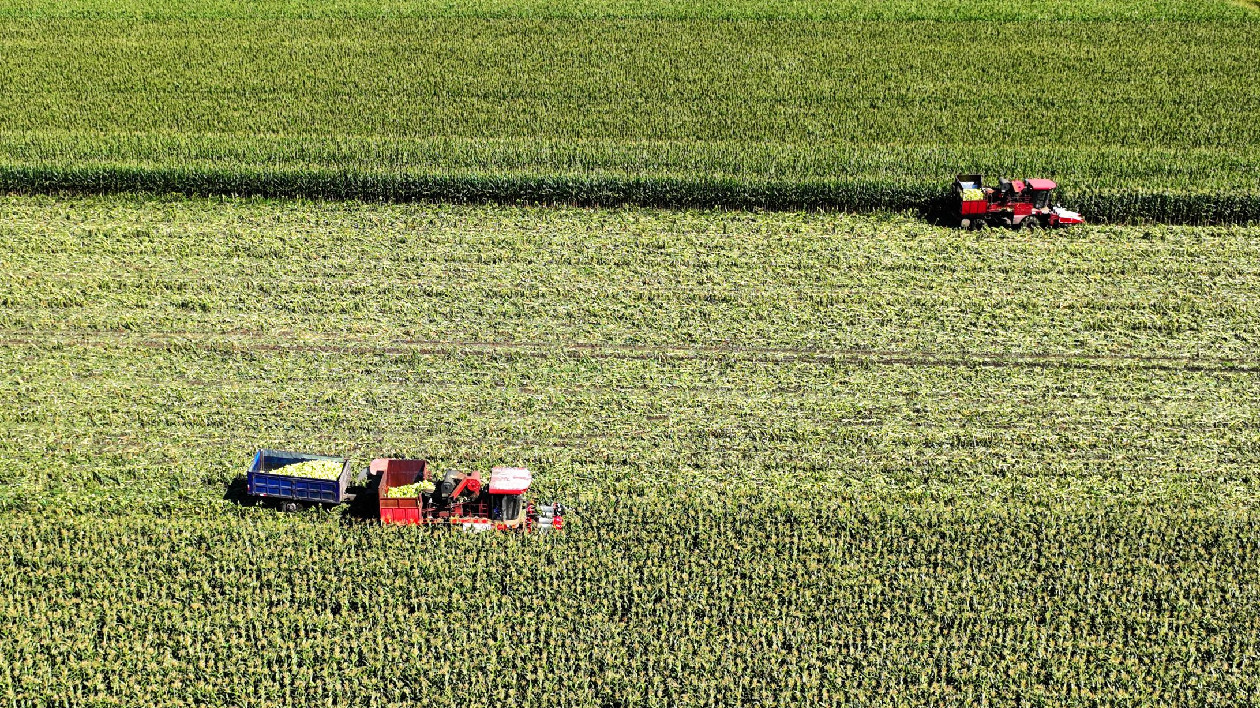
x=410, y=493
x=1020, y=204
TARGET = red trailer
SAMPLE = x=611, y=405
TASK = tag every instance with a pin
x=1022, y=204
x=461, y=499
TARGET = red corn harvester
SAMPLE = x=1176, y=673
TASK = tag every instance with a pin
x=461, y=499
x=1021, y=204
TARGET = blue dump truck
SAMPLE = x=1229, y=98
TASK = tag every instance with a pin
x=266, y=482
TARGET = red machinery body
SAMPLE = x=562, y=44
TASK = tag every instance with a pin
x=462, y=499
x=1025, y=204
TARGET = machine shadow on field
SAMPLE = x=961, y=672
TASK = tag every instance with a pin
x=237, y=492
x=364, y=506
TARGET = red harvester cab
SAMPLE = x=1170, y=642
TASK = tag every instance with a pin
x=1023, y=204
x=461, y=498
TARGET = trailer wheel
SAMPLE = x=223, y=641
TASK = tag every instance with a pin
x=979, y=225
x=964, y=224
x=290, y=506
x=1030, y=223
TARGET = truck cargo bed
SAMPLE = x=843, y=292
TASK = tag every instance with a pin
x=279, y=486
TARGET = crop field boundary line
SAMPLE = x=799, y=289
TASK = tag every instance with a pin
x=929, y=200
x=255, y=341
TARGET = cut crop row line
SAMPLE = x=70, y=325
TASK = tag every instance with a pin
x=928, y=199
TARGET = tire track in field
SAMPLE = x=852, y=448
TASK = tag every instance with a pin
x=256, y=341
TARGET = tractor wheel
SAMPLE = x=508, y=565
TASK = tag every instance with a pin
x=1030, y=223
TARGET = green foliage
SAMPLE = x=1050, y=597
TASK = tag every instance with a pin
x=1143, y=111
x=1106, y=205
x=952, y=10
x=644, y=602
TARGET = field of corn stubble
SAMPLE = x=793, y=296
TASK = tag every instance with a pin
x=816, y=459
x=1144, y=111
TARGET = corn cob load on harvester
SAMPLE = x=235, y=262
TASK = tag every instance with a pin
x=1019, y=204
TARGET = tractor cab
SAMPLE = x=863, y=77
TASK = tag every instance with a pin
x=508, y=486
x=1039, y=191
x=1026, y=191
x=1046, y=212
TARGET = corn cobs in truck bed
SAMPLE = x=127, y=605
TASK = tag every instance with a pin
x=311, y=469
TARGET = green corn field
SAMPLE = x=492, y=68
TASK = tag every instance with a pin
x=1143, y=111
